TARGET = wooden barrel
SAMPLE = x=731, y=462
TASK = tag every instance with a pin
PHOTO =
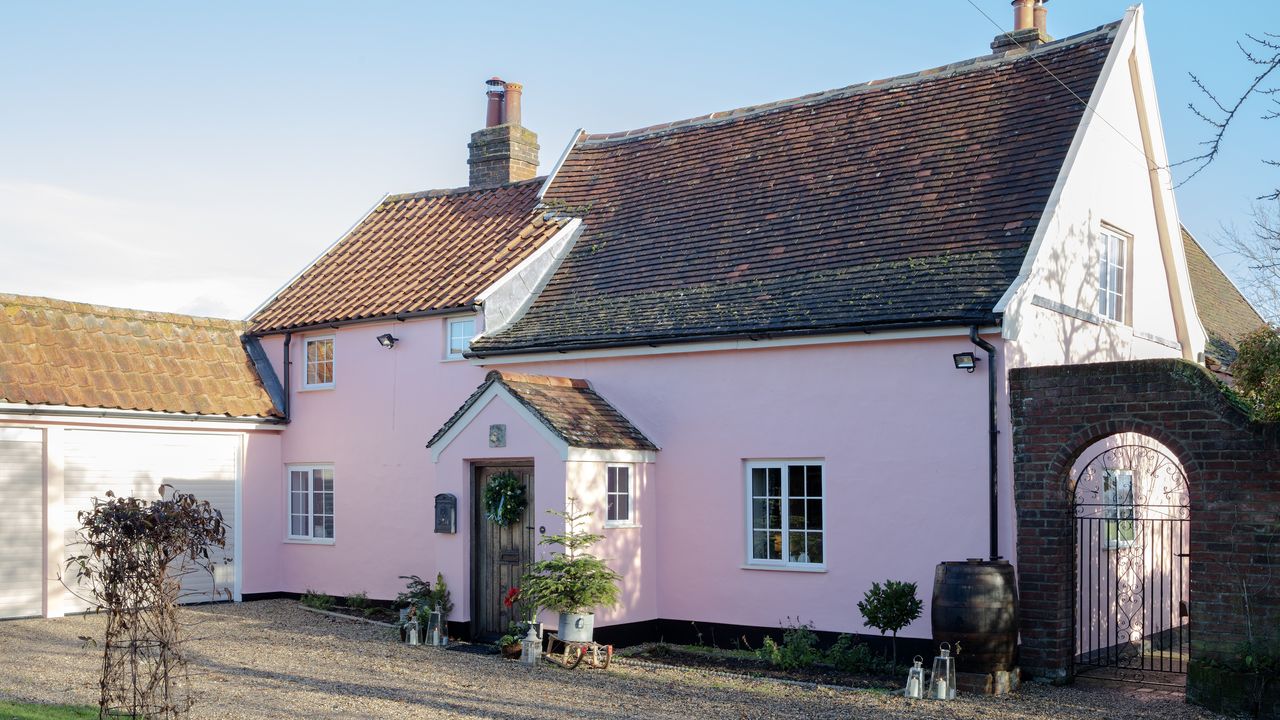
x=975, y=607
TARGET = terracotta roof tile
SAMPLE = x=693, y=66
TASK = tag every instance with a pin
x=1225, y=313
x=907, y=201
x=569, y=407
x=415, y=253
x=54, y=352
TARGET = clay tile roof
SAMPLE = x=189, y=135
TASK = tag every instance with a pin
x=1225, y=313
x=54, y=352
x=570, y=408
x=905, y=201
x=415, y=253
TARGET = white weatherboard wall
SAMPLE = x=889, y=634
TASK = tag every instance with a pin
x=21, y=522
x=138, y=463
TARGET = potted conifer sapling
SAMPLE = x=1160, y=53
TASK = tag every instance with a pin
x=572, y=581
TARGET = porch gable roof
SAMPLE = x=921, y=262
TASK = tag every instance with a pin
x=570, y=409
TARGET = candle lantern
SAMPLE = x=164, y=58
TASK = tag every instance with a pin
x=942, y=685
x=435, y=633
x=411, y=630
x=531, y=646
x=915, y=679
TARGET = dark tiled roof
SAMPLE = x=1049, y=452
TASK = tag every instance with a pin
x=415, y=253
x=54, y=352
x=906, y=201
x=1226, y=315
x=569, y=408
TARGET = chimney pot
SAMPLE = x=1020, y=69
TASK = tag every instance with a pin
x=1023, y=14
x=1041, y=17
x=493, y=113
x=511, y=104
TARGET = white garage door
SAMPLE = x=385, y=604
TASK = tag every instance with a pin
x=138, y=463
x=21, y=522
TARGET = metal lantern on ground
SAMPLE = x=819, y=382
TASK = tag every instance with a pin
x=435, y=632
x=942, y=686
x=531, y=646
x=411, y=630
x=915, y=679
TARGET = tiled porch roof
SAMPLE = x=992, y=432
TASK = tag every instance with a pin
x=570, y=408
x=1225, y=313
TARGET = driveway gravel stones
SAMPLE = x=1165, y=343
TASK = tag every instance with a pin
x=270, y=659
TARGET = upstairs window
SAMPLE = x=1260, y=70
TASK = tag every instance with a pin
x=319, y=365
x=618, y=492
x=311, y=502
x=1113, y=268
x=461, y=330
x=785, y=513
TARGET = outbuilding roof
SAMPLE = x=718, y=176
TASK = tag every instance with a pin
x=1225, y=313
x=568, y=407
x=54, y=352
x=413, y=254
x=909, y=201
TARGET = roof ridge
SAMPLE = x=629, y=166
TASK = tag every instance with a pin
x=962, y=66
x=530, y=379
x=49, y=303
x=445, y=192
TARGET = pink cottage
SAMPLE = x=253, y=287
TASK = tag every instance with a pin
x=766, y=348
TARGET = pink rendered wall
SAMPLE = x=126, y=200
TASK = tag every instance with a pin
x=373, y=427
x=903, y=435
x=260, y=514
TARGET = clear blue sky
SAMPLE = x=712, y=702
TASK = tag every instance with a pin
x=192, y=156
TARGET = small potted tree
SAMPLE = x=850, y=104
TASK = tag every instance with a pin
x=572, y=581
x=890, y=607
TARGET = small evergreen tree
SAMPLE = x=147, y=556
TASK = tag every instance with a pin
x=571, y=580
x=890, y=607
x=1257, y=373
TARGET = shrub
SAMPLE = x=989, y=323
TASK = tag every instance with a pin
x=358, y=601
x=798, y=649
x=316, y=599
x=851, y=656
x=890, y=607
x=1257, y=373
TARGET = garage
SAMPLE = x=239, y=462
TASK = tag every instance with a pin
x=21, y=522
x=138, y=463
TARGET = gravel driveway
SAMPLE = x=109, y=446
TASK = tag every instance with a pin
x=270, y=659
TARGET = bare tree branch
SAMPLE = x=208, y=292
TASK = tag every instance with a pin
x=1265, y=54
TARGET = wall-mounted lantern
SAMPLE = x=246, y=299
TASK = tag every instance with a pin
x=446, y=513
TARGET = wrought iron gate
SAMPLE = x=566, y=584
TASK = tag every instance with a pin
x=1132, y=513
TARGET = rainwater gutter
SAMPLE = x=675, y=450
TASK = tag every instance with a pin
x=993, y=433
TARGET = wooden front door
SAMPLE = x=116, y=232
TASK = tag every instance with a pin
x=499, y=554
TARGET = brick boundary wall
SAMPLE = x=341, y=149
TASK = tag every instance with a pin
x=1233, y=472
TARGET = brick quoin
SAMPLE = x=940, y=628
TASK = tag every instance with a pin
x=1232, y=466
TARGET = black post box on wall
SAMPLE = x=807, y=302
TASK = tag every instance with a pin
x=446, y=513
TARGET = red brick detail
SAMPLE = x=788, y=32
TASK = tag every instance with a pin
x=1233, y=472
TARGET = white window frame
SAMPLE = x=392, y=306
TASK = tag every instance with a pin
x=449, y=354
x=630, y=520
x=1116, y=513
x=1114, y=271
x=306, y=362
x=310, y=537
x=784, y=563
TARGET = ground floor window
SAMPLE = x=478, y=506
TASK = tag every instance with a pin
x=311, y=502
x=785, y=513
x=1117, y=501
x=619, y=494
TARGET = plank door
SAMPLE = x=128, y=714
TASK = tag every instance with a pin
x=499, y=554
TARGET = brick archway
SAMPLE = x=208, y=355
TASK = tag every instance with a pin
x=1233, y=470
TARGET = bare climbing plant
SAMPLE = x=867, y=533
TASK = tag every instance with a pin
x=133, y=555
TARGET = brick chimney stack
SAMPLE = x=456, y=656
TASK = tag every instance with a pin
x=504, y=151
x=1029, y=27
